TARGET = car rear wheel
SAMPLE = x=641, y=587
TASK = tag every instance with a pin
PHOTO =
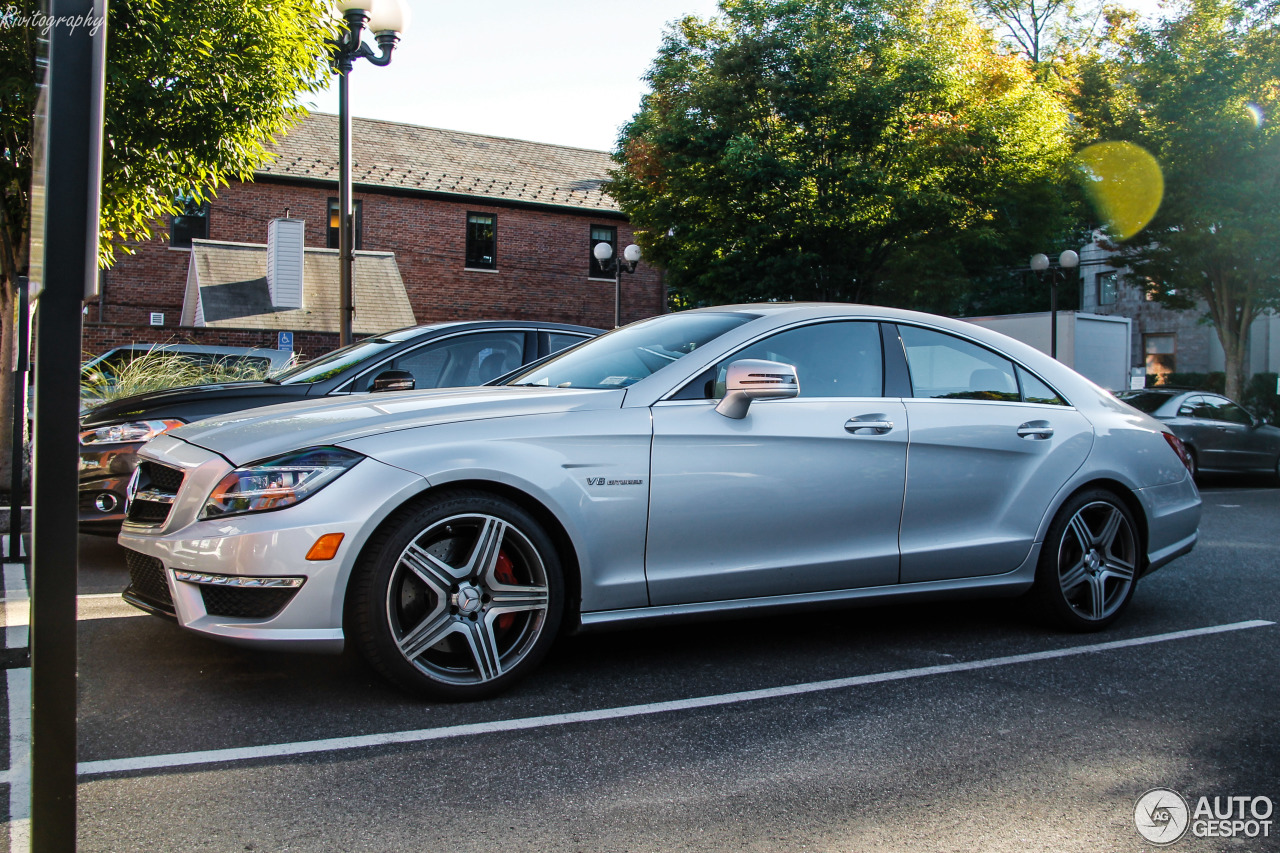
x=458, y=598
x=1088, y=568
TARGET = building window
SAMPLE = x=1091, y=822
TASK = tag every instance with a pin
x=1107, y=284
x=482, y=241
x=1162, y=355
x=601, y=234
x=333, y=225
x=191, y=224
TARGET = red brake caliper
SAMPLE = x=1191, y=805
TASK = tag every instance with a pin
x=505, y=572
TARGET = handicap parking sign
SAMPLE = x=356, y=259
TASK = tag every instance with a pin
x=284, y=341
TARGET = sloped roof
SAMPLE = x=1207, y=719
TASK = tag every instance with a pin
x=427, y=159
x=227, y=288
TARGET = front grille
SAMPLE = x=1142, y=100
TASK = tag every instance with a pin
x=157, y=486
x=161, y=477
x=148, y=512
x=147, y=580
x=245, y=602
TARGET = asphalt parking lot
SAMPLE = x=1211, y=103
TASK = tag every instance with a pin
x=958, y=727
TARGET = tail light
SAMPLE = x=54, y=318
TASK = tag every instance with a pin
x=1178, y=448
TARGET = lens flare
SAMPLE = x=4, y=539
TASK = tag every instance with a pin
x=1256, y=112
x=1125, y=184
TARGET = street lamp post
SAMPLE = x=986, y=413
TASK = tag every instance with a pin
x=608, y=263
x=1068, y=260
x=386, y=19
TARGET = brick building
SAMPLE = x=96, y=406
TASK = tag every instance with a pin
x=480, y=228
x=1166, y=341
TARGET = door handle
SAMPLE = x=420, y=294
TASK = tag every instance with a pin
x=878, y=424
x=1035, y=430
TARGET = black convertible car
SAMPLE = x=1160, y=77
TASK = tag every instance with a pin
x=435, y=356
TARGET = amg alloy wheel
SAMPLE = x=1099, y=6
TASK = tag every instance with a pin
x=459, y=598
x=1088, y=568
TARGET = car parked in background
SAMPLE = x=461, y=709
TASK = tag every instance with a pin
x=757, y=459
x=431, y=356
x=1221, y=435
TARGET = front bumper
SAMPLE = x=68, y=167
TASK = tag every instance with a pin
x=257, y=549
x=104, y=474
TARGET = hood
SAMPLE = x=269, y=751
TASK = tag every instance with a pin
x=141, y=405
x=248, y=436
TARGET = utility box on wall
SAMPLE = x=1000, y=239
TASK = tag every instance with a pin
x=286, y=239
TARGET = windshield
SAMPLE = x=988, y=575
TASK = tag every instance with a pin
x=627, y=355
x=328, y=366
x=1144, y=401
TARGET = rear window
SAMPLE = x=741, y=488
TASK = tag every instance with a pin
x=1144, y=401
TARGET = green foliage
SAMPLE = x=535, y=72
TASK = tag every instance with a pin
x=194, y=90
x=1201, y=92
x=156, y=370
x=17, y=106
x=838, y=149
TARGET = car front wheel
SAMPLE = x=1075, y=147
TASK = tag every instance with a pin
x=1088, y=568
x=458, y=598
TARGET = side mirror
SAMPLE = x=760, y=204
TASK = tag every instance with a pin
x=394, y=380
x=755, y=379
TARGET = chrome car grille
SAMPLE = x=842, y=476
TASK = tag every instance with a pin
x=157, y=486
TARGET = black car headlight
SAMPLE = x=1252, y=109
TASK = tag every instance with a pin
x=134, y=431
x=279, y=482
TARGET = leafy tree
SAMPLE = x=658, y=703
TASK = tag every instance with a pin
x=193, y=91
x=1053, y=35
x=802, y=149
x=1201, y=92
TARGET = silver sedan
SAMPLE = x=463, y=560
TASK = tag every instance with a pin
x=746, y=458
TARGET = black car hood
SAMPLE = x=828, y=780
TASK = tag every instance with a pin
x=192, y=402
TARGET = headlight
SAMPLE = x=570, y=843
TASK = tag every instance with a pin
x=279, y=482
x=135, y=431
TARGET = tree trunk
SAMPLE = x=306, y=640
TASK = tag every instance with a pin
x=1234, y=352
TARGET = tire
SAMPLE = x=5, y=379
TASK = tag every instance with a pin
x=1194, y=467
x=458, y=598
x=1089, y=565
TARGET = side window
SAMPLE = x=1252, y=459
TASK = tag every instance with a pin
x=1195, y=407
x=1035, y=391
x=562, y=340
x=948, y=368
x=453, y=362
x=1225, y=410
x=841, y=359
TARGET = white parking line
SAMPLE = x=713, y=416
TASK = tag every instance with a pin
x=217, y=756
x=105, y=606
x=17, y=681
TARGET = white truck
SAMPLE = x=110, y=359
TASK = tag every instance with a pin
x=1095, y=346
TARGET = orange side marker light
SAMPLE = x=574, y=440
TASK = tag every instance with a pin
x=326, y=547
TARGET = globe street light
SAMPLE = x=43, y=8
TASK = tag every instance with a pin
x=1068, y=260
x=608, y=263
x=387, y=20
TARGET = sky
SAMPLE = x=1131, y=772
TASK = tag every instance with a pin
x=565, y=72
